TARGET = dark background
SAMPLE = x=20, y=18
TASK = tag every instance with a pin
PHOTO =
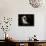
x=30, y=19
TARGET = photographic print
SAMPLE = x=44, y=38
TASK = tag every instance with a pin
x=26, y=19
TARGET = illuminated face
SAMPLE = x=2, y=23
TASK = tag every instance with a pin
x=35, y=3
x=24, y=19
